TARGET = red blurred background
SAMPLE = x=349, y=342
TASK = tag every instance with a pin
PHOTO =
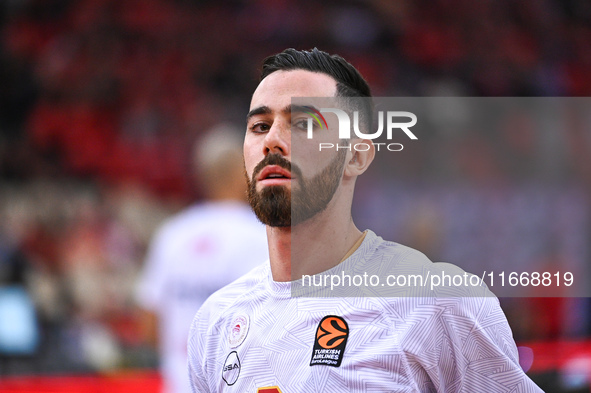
x=101, y=101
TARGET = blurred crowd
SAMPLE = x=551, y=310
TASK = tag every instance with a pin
x=102, y=99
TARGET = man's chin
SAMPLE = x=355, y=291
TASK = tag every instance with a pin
x=274, y=222
x=273, y=188
x=280, y=226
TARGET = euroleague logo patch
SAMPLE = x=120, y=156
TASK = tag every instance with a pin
x=330, y=341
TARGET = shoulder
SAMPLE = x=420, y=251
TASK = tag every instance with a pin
x=224, y=300
x=181, y=221
x=395, y=255
x=212, y=212
x=438, y=279
x=402, y=271
x=212, y=322
x=226, y=219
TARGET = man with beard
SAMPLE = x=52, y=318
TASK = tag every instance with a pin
x=254, y=336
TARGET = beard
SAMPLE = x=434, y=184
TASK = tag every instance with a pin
x=274, y=205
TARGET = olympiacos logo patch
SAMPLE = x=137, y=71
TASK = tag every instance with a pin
x=238, y=330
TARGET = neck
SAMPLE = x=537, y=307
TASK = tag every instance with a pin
x=318, y=245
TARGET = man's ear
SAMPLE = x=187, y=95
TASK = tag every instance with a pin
x=362, y=154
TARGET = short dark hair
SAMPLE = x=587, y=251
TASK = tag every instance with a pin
x=350, y=83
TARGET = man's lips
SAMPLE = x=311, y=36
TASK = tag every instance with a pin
x=274, y=174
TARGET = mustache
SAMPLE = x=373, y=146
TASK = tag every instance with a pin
x=276, y=159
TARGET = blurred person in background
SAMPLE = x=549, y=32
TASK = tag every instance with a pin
x=199, y=251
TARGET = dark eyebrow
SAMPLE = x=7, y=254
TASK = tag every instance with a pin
x=302, y=108
x=261, y=110
x=265, y=110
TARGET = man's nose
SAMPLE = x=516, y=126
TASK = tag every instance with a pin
x=278, y=139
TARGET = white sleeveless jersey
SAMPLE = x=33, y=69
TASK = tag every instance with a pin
x=253, y=336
